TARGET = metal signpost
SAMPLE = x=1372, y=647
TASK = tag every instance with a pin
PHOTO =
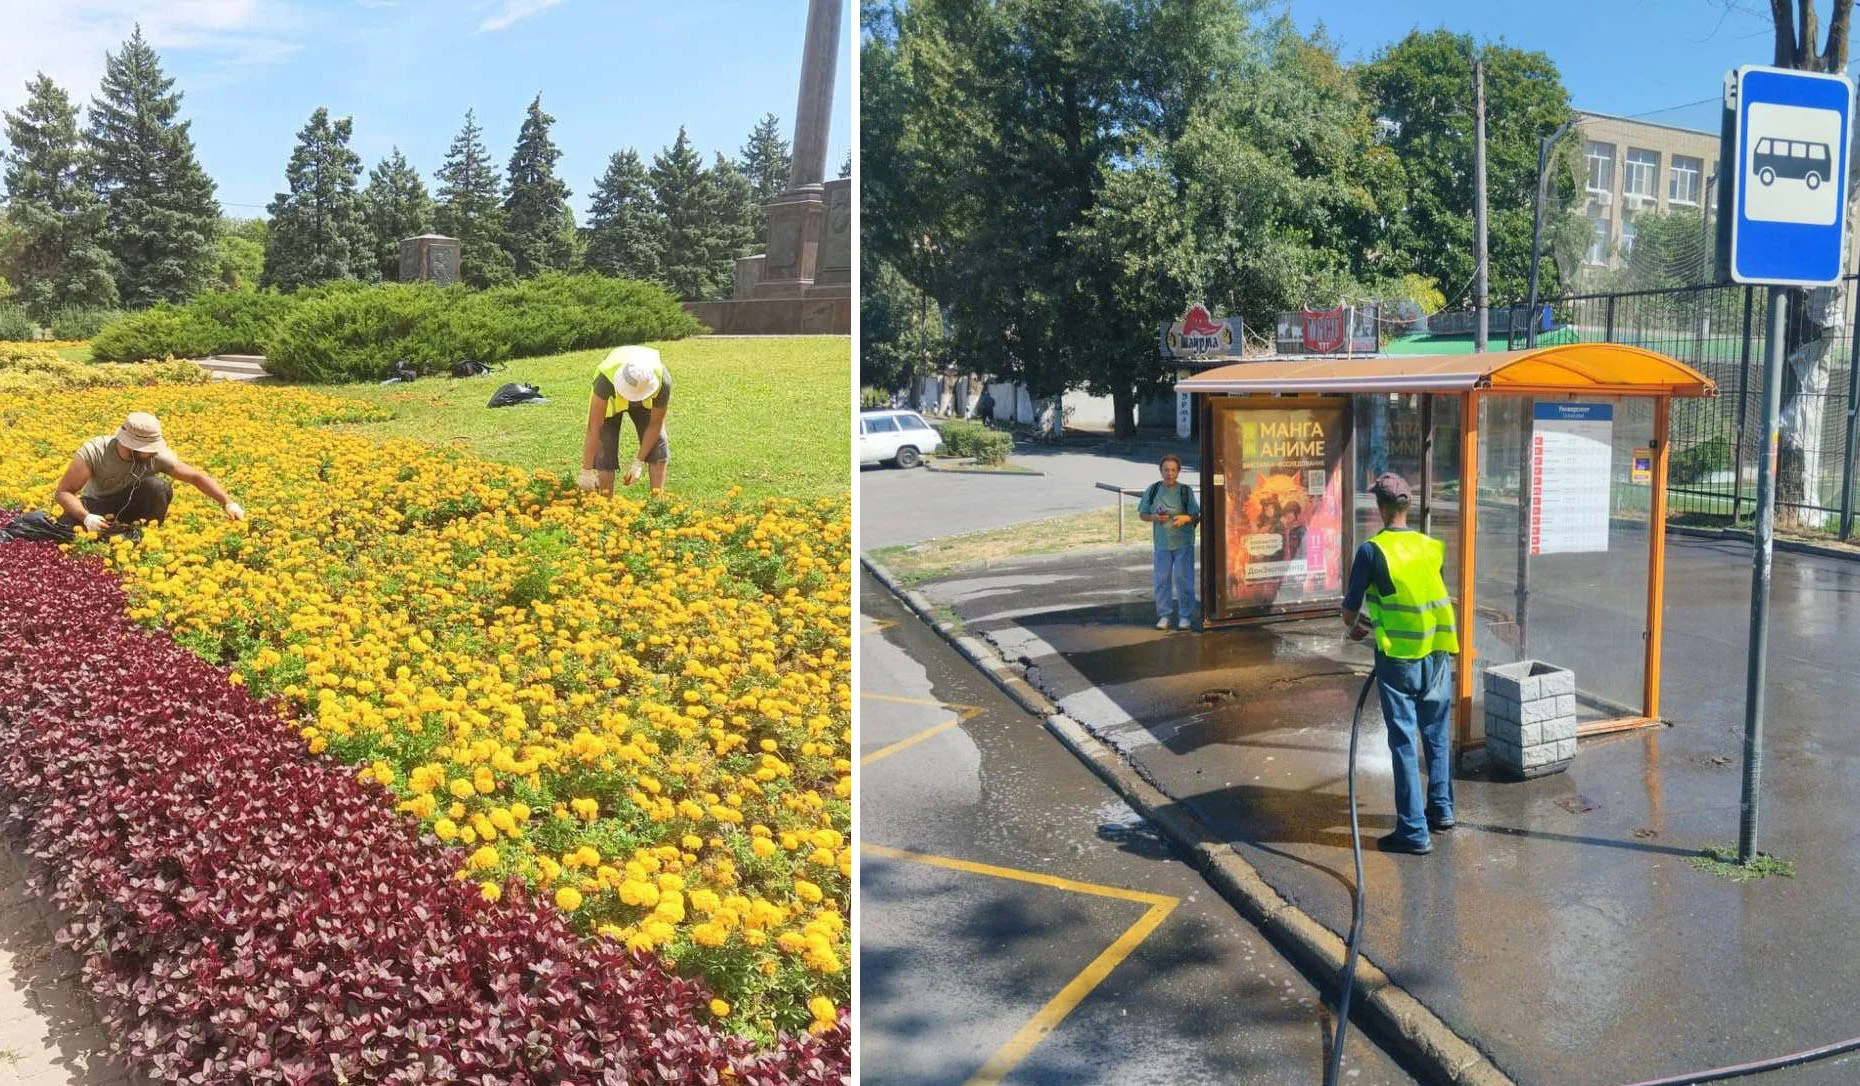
x=1785, y=162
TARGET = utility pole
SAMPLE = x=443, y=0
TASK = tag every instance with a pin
x=1537, y=227
x=1480, y=299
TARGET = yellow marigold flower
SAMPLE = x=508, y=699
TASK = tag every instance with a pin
x=461, y=789
x=568, y=899
x=490, y=891
x=719, y=1008
x=762, y=846
x=446, y=829
x=483, y=860
x=586, y=808
x=807, y=891
x=822, y=1009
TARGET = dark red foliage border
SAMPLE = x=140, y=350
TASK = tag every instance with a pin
x=249, y=912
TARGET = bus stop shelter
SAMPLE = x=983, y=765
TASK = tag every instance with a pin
x=1544, y=471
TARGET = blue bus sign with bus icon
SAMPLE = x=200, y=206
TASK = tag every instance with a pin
x=1786, y=161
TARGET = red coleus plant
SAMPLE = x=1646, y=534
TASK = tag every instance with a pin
x=249, y=912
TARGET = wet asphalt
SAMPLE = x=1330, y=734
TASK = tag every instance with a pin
x=1562, y=927
x=955, y=963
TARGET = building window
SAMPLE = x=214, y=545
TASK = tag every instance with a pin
x=1598, y=240
x=1683, y=182
x=1601, y=158
x=1640, y=175
x=1627, y=237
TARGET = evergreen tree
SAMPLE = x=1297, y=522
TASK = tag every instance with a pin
x=765, y=160
x=318, y=232
x=682, y=196
x=539, y=226
x=55, y=257
x=162, y=215
x=470, y=208
x=240, y=262
x=626, y=231
x=730, y=224
x=846, y=166
x=396, y=206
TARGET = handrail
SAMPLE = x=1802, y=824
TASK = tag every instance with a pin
x=1122, y=493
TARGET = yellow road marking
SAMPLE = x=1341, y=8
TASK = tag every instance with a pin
x=963, y=712
x=879, y=625
x=1028, y=1037
x=886, y=752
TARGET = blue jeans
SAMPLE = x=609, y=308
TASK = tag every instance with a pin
x=1174, y=576
x=1416, y=697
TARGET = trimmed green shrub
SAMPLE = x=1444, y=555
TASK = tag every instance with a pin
x=975, y=440
x=873, y=399
x=166, y=331
x=243, y=321
x=349, y=334
x=16, y=324
x=81, y=323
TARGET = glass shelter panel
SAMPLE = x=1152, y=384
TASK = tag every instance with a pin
x=1565, y=490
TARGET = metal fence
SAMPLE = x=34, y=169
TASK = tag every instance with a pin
x=1720, y=331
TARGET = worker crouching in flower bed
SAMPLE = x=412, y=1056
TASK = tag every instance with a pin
x=120, y=480
x=631, y=381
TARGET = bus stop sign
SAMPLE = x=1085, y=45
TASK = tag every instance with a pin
x=1788, y=160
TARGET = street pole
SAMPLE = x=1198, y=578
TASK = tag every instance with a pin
x=1756, y=669
x=1537, y=229
x=1479, y=264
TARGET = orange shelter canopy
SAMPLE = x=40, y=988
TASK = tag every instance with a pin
x=1594, y=368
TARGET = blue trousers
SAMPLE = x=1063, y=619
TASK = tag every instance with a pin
x=1416, y=696
x=1174, y=577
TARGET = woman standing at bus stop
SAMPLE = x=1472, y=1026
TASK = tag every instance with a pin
x=1171, y=509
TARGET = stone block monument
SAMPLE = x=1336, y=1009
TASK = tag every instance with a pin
x=432, y=258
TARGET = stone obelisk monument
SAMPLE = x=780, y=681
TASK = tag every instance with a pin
x=802, y=283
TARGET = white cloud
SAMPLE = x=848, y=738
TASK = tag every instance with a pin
x=515, y=11
x=67, y=41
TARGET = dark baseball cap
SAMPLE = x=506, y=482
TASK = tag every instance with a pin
x=1391, y=487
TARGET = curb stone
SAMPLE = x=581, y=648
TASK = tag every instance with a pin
x=1396, y=1016
x=1794, y=546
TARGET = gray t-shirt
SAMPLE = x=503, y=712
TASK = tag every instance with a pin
x=110, y=472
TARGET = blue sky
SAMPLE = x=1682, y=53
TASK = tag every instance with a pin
x=1626, y=57
x=613, y=73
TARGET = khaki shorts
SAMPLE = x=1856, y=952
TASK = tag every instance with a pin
x=607, y=456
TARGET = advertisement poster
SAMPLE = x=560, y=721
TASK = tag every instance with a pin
x=1284, y=506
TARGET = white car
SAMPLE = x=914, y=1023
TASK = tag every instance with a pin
x=895, y=437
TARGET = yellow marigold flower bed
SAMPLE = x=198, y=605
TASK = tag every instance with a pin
x=643, y=710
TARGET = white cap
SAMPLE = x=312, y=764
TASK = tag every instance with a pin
x=638, y=378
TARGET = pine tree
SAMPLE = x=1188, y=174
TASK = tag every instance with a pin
x=681, y=194
x=731, y=224
x=626, y=233
x=846, y=166
x=765, y=160
x=55, y=258
x=317, y=229
x=469, y=207
x=162, y=214
x=396, y=206
x=539, y=226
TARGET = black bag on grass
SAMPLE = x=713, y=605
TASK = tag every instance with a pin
x=471, y=367
x=514, y=393
x=36, y=527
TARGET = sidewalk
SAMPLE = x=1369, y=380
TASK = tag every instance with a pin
x=1561, y=928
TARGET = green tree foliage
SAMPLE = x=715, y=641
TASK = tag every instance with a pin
x=470, y=207
x=626, y=234
x=682, y=197
x=900, y=329
x=396, y=206
x=240, y=254
x=766, y=161
x=1422, y=87
x=539, y=227
x=55, y=258
x=162, y=213
x=731, y=218
x=317, y=231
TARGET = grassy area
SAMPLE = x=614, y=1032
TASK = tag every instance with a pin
x=77, y=353
x=1721, y=860
x=935, y=558
x=769, y=415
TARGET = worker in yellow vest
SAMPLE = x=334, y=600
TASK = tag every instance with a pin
x=630, y=381
x=1397, y=592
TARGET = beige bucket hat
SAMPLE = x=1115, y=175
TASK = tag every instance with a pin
x=141, y=432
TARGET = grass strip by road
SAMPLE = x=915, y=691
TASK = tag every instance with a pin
x=934, y=558
x=767, y=414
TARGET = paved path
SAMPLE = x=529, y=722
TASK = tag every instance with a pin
x=49, y=1033
x=1562, y=928
x=971, y=815
x=899, y=506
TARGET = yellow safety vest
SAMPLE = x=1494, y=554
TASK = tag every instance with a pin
x=1418, y=620
x=616, y=404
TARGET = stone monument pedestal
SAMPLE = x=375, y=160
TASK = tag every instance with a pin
x=432, y=258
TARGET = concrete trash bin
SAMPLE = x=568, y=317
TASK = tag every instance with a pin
x=1530, y=718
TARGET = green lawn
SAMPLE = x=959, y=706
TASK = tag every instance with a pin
x=79, y=353
x=771, y=415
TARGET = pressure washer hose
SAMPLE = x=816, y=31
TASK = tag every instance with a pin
x=1335, y=1066
x=1348, y=979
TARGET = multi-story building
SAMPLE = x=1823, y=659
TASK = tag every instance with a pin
x=1634, y=167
